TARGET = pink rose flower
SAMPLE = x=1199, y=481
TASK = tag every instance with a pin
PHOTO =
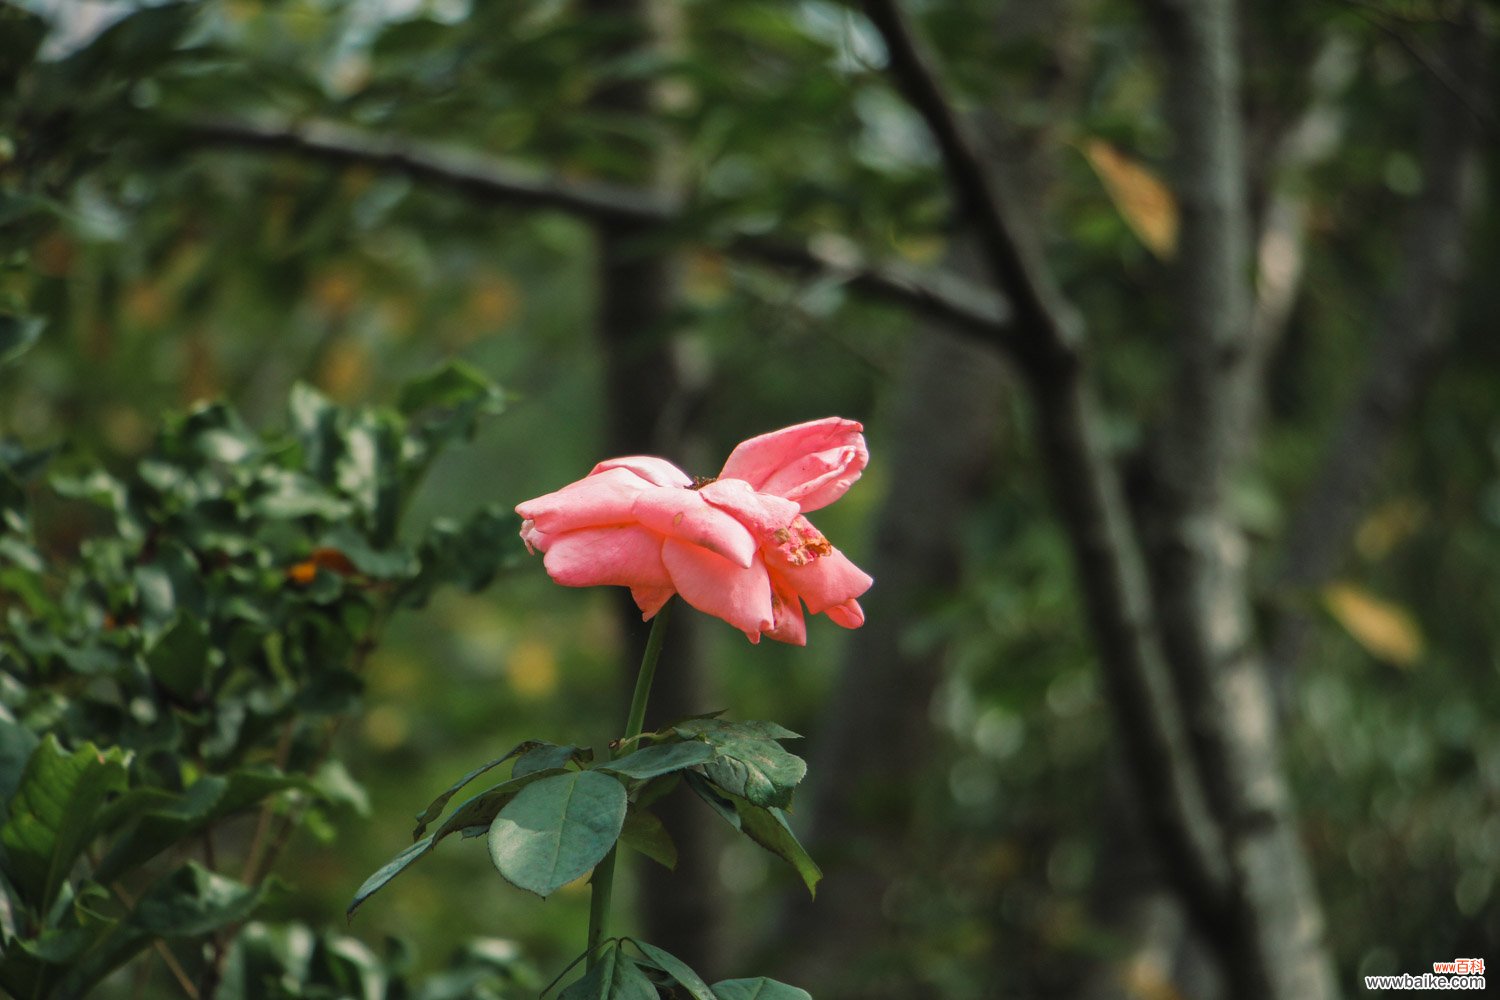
x=737, y=546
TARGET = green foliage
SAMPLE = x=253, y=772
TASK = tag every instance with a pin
x=183, y=674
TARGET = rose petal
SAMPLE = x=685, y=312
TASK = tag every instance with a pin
x=762, y=513
x=592, y=501
x=624, y=555
x=686, y=516
x=849, y=614
x=657, y=471
x=812, y=463
x=823, y=582
x=790, y=626
x=714, y=585
x=651, y=599
x=536, y=541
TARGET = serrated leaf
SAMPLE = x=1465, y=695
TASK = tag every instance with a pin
x=644, y=832
x=663, y=758
x=557, y=829
x=757, y=989
x=471, y=818
x=748, y=761
x=547, y=756
x=52, y=812
x=767, y=826
x=677, y=969
x=715, y=729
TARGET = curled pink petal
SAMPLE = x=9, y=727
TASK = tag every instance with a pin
x=802, y=560
x=536, y=541
x=849, y=614
x=590, y=502
x=789, y=626
x=656, y=471
x=813, y=463
x=825, y=582
x=686, y=516
x=651, y=599
x=624, y=555
x=762, y=513
x=741, y=595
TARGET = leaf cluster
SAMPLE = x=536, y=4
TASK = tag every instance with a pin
x=562, y=811
x=180, y=644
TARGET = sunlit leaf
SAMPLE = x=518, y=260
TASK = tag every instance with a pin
x=1143, y=201
x=1386, y=630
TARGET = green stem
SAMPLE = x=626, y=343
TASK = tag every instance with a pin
x=603, y=882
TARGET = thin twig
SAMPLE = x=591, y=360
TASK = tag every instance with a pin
x=494, y=181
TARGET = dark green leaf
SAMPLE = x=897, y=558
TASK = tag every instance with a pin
x=390, y=870
x=748, y=761
x=548, y=756
x=456, y=384
x=193, y=901
x=471, y=818
x=717, y=730
x=614, y=977
x=663, y=758
x=163, y=819
x=677, y=969
x=179, y=659
x=17, y=743
x=557, y=829
x=766, y=826
x=466, y=555
x=757, y=989
x=52, y=811
x=436, y=807
x=644, y=832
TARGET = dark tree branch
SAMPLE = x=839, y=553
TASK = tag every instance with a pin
x=1086, y=485
x=1414, y=324
x=1053, y=329
x=948, y=298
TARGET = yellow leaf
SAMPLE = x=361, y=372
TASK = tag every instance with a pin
x=1143, y=201
x=1386, y=630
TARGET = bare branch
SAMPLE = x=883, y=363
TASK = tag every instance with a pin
x=1052, y=328
x=944, y=297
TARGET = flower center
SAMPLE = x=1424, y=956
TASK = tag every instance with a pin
x=801, y=543
x=701, y=481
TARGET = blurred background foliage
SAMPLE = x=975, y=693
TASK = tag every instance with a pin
x=161, y=268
